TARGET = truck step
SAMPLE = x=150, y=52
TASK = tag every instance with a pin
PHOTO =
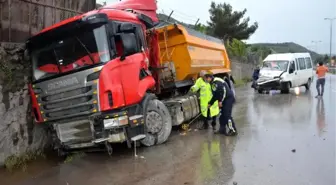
x=138, y=137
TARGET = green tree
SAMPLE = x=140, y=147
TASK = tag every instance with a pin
x=326, y=58
x=201, y=28
x=261, y=51
x=228, y=24
x=236, y=48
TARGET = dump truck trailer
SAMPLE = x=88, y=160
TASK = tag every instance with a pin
x=115, y=74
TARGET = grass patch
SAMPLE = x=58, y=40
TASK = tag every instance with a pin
x=20, y=161
x=241, y=82
x=74, y=156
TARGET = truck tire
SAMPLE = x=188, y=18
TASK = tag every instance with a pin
x=260, y=91
x=285, y=88
x=158, y=122
x=62, y=153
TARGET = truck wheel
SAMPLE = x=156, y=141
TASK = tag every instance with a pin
x=62, y=153
x=285, y=88
x=158, y=123
x=307, y=85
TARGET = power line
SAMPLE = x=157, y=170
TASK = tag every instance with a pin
x=179, y=18
x=179, y=14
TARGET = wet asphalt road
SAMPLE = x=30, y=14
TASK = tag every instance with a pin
x=283, y=140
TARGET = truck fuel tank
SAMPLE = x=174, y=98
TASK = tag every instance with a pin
x=183, y=109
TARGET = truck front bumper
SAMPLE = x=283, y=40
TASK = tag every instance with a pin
x=86, y=133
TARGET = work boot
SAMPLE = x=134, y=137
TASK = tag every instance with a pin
x=205, y=127
x=213, y=126
x=232, y=133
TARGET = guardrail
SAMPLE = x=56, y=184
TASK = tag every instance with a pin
x=332, y=70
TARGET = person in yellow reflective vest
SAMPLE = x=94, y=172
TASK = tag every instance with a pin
x=205, y=92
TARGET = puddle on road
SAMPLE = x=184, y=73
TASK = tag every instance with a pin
x=31, y=170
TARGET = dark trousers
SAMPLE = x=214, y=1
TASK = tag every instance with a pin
x=320, y=83
x=226, y=115
x=254, y=83
x=205, y=120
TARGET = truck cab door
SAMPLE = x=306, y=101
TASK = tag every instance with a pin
x=135, y=80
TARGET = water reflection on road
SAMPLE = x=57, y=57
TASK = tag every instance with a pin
x=283, y=139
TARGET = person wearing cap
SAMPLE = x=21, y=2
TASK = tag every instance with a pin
x=224, y=95
x=205, y=92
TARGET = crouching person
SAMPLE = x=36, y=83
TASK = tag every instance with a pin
x=205, y=92
x=255, y=77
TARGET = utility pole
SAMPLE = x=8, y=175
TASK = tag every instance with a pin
x=171, y=13
x=331, y=24
x=315, y=42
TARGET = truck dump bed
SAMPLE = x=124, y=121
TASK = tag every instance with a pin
x=185, y=52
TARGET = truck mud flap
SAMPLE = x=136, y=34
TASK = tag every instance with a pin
x=137, y=126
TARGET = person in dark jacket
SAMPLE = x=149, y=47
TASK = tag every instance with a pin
x=255, y=77
x=225, y=97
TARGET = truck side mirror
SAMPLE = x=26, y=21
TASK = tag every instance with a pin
x=129, y=44
x=291, y=70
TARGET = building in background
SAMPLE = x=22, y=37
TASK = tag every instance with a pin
x=19, y=19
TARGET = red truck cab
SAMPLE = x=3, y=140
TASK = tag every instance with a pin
x=91, y=77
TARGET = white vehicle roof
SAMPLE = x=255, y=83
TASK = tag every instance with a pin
x=286, y=56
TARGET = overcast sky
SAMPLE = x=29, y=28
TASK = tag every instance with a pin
x=300, y=21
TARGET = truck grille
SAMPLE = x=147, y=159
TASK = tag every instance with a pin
x=70, y=103
x=68, y=96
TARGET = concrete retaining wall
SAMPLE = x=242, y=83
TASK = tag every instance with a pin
x=241, y=70
x=18, y=134
x=21, y=19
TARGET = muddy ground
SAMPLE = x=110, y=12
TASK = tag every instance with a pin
x=283, y=139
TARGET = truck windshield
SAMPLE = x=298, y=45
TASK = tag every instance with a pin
x=276, y=65
x=71, y=53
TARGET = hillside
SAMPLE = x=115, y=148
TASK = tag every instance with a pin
x=287, y=47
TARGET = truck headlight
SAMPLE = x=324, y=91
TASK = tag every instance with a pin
x=115, y=122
